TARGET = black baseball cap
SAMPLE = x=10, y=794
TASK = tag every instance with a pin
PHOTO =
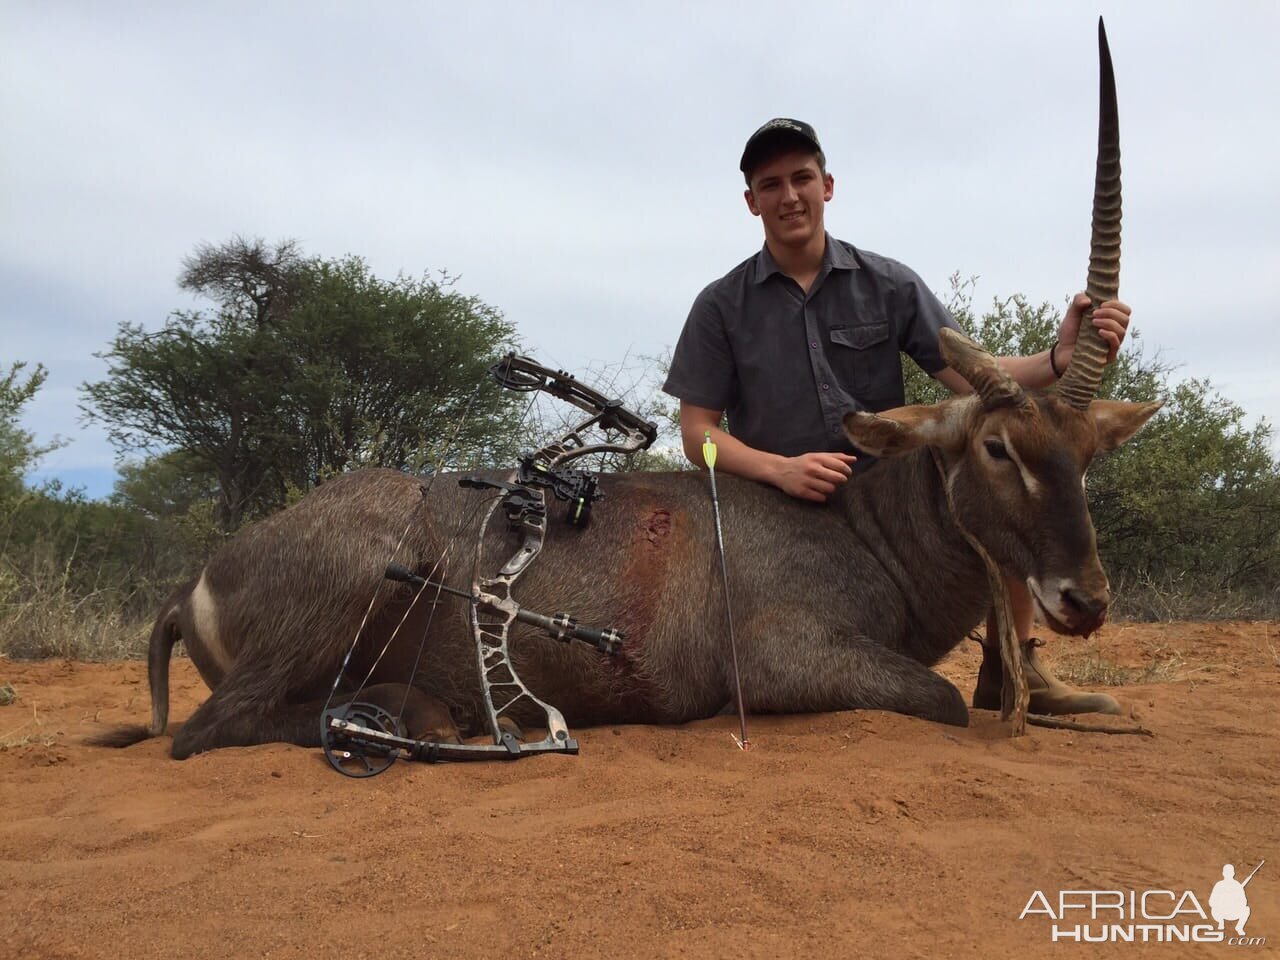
x=773, y=134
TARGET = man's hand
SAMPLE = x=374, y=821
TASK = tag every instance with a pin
x=1041, y=370
x=810, y=476
x=1111, y=320
x=813, y=476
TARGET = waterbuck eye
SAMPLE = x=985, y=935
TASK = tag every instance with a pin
x=996, y=450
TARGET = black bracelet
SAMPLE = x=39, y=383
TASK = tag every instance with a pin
x=1053, y=366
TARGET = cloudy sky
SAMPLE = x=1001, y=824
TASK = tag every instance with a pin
x=576, y=164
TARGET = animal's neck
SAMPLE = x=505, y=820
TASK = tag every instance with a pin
x=900, y=491
x=898, y=508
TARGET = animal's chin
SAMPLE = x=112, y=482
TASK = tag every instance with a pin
x=1080, y=629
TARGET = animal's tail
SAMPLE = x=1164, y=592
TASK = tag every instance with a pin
x=163, y=636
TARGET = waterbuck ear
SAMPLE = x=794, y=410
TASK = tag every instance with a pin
x=1117, y=420
x=892, y=433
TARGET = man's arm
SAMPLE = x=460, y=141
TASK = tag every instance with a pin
x=810, y=476
x=1111, y=320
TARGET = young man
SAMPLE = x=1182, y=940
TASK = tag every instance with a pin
x=811, y=327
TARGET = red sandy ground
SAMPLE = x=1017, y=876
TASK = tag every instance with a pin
x=840, y=835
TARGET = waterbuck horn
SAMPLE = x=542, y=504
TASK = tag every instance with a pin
x=980, y=370
x=1080, y=382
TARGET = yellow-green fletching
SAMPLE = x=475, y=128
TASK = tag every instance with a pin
x=709, y=451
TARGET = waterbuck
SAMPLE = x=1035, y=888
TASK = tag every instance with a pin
x=839, y=605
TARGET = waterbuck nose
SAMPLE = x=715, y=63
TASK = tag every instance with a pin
x=1083, y=608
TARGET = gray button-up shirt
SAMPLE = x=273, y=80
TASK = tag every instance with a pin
x=786, y=366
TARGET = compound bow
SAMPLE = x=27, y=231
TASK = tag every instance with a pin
x=361, y=739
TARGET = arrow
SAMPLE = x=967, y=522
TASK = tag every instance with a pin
x=709, y=455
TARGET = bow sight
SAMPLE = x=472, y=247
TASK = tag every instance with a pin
x=361, y=739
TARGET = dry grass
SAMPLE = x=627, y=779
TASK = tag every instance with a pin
x=1164, y=664
x=80, y=589
x=1269, y=644
x=1147, y=600
x=28, y=732
x=56, y=623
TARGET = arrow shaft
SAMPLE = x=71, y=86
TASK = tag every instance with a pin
x=728, y=606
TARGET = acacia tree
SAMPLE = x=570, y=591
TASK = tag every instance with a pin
x=386, y=371
x=256, y=282
x=206, y=385
x=305, y=368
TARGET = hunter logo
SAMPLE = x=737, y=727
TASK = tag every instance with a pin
x=1149, y=916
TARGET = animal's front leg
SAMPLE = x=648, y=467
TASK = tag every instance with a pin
x=799, y=670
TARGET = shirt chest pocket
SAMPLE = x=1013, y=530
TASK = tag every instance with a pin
x=865, y=358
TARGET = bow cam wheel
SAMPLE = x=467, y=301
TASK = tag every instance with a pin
x=347, y=752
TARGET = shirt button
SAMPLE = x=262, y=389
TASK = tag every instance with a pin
x=826, y=386
x=814, y=344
